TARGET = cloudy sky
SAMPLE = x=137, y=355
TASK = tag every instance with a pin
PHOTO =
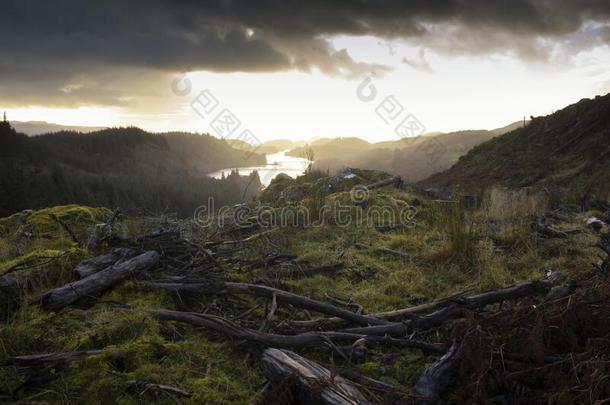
x=298, y=69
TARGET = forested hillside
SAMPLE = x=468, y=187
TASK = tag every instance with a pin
x=124, y=167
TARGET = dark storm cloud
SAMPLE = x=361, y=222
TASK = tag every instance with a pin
x=74, y=50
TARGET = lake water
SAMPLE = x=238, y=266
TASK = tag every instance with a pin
x=276, y=163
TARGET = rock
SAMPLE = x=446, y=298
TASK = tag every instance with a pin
x=594, y=223
x=24, y=216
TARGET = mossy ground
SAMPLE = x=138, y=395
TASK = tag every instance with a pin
x=452, y=249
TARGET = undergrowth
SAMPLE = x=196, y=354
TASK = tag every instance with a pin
x=452, y=248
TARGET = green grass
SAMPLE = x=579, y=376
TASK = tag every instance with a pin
x=451, y=250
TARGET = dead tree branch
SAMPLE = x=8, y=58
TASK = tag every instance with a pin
x=306, y=339
x=46, y=359
x=472, y=302
x=268, y=292
x=65, y=227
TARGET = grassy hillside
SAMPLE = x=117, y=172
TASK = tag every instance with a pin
x=568, y=150
x=447, y=249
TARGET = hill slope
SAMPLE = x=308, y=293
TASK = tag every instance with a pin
x=125, y=167
x=413, y=159
x=570, y=148
x=42, y=127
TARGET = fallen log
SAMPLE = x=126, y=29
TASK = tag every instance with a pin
x=46, y=359
x=548, y=231
x=389, y=315
x=265, y=291
x=517, y=291
x=436, y=318
x=312, y=383
x=98, y=282
x=473, y=302
x=435, y=380
x=90, y=266
x=366, y=381
x=306, y=339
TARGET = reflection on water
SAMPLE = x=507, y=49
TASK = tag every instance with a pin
x=276, y=163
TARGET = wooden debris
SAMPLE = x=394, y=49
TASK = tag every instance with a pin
x=401, y=328
x=473, y=302
x=364, y=380
x=312, y=382
x=269, y=292
x=94, y=239
x=90, y=266
x=395, y=181
x=98, y=282
x=453, y=308
x=65, y=227
x=306, y=339
x=436, y=379
x=45, y=359
x=510, y=293
x=549, y=232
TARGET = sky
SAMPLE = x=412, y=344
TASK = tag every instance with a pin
x=300, y=69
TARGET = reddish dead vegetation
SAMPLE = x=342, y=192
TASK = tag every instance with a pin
x=565, y=347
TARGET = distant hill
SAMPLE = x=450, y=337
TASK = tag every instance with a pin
x=278, y=145
x=325, y=148
x=412, y=158
x=569, y=148
x=42, y=127
x=125, y=167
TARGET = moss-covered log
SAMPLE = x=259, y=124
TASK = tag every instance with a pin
x=98, y=282
x=90, y=266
